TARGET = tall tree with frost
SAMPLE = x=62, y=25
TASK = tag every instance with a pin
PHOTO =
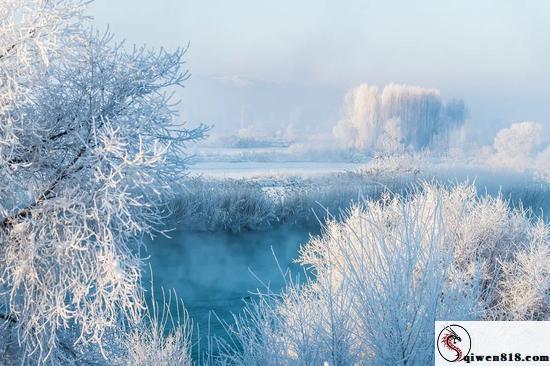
x=412, y=116
x=88, y=151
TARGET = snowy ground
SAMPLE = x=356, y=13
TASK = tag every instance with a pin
x=264, y=169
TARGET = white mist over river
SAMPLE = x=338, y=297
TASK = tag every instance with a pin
x=215, y=271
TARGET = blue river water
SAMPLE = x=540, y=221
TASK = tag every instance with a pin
x=219, y=271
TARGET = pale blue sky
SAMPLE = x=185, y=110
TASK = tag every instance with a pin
x=290, y=54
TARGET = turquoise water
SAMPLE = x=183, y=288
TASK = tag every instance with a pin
x=218, y=271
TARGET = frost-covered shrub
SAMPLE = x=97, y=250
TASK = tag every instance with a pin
x=161, y=339
x=542, y=164
x=240, y=204
x=404, y=167
x=515, y=147
x=392, y=267
x=247, y=138
x=226, y=204
x=400, y=116
x=526, y=279
x=210, y=204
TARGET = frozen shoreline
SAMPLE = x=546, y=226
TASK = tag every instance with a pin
x=264, y=169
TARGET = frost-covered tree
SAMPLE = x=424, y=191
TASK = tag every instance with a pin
x=515, y=146
x=418, y=114
x=362, y=126
x=89, y=148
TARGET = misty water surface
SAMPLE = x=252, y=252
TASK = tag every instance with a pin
x=212, y=271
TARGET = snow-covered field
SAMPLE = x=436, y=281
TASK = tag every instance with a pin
x=251, y=169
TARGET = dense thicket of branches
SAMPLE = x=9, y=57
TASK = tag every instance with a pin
x=88, y=147
x=391, y=268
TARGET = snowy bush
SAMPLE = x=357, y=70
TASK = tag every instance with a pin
x=247, y=138
x=161, y=339
x=400, y=116
x=518, y=147
x=388, y=271
x=227, y=204
x=210, y=204
x=240, y=204
x=526, y=284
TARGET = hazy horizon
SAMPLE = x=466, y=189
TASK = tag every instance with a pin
x=272, y=64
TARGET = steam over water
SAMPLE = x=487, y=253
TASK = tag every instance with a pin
x=215, y=271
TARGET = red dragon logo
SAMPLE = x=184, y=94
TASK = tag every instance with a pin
x=453, y=343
